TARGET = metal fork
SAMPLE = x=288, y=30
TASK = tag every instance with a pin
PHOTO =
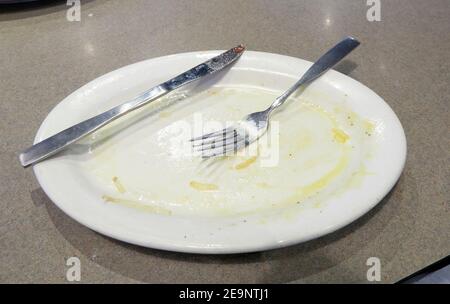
x=253, y=126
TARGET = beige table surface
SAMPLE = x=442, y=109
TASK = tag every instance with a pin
x=405, y=58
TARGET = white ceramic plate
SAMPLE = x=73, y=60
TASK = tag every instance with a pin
x=340, y=150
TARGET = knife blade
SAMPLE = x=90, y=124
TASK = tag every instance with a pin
x=61, y=140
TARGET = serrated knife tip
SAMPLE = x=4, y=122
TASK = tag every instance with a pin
x=239, y=49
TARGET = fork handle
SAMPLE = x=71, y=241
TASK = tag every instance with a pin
x=326, y=62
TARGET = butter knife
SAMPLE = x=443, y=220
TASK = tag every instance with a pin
x=61, y=140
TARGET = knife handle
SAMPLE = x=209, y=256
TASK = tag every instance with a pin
x=59, y=141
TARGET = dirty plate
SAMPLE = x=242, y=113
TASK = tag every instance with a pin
x=332, y=153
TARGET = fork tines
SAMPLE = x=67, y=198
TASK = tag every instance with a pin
x=218, y=143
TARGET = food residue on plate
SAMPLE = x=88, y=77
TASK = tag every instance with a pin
x=320, y=145
x=369, y=127
x=246, y=163
x=340, y=136
x=136, y=205
x=325, y=180
x=203, y=186
x=120, y=188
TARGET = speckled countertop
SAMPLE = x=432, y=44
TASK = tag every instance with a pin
x=405, y=58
